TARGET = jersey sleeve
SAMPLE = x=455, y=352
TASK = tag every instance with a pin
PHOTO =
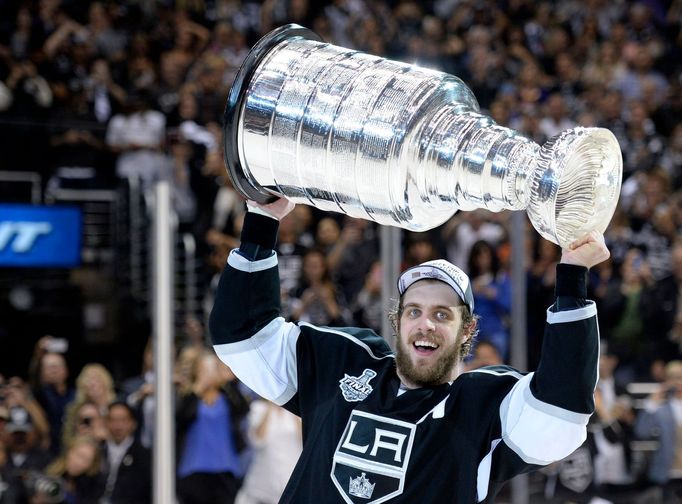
x=246, y=329
x=543, y=418
x=286, y=363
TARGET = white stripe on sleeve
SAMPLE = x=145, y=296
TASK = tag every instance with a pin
x=241, y=263
x=266, y=362
x=538, y=432
x=562, y=317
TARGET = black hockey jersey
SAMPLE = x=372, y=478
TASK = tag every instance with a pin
x=367, y=441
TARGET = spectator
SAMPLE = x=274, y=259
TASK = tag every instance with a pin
x=350, y=260
x=94, y=384
x=466, y=228
x=611, y=427
x=605, y=284
x=420, y=247
x=327, y=234
x=108, y=40
x=139, y=395
x=484, y=354
x=290, y=254
x=662, y=307
x=275, y=435
x=626, y=336
x=53, y=394
x=652, y=192
x=604, y=65
x=643, y=147
x=671, y=160
x=640, y=68
x=11, y=486
x=492, y=296
x=209, y=88
x=190, y=38
x=543, y=258
x=23, y=448
x=183, y=199
x=316, y=300
x=185, y=366
x=556, y=119
x=230, y=45
x=18, y=395
x=209, y=440
x=85, y=419
x=127, y=463
x=31, y=93
x=137, y=135
x=80, y=468
x=167, y=91
x=105, y=97
x=368, y=310
x=661, y=420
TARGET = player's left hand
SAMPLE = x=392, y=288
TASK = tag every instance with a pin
x=587, y=250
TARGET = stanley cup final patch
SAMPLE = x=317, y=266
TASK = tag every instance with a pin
x=357, y=388
x=371, y=458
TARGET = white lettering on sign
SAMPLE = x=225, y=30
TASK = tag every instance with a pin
x=22, y=235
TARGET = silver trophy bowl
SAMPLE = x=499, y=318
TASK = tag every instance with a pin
x=401, y=145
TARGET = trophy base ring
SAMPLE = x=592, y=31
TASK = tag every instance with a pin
x=234, y=104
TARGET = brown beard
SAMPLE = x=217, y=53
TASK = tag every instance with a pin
x=423, y=376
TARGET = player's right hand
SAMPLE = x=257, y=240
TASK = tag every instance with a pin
x=587, y=250
x=278, y=209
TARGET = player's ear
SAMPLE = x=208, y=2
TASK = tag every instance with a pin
x=469, y=330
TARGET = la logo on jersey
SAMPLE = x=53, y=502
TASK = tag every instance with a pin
x=357, y=388
x=371, y=458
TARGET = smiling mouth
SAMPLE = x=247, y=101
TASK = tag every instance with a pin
x=425, y=347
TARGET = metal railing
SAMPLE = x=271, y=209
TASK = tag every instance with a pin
x=19, y=178
x=99, y=207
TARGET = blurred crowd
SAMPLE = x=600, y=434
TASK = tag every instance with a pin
x=95, y=92
x=90, y=442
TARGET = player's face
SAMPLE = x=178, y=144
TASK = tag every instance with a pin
x=429, y=344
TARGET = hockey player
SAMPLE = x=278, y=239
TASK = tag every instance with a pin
x=408, y=427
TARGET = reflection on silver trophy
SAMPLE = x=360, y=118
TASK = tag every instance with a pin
x=401, y=145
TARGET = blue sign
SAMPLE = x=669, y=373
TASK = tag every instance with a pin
x=40, y=236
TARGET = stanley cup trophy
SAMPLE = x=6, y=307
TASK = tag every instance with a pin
x=401, y=145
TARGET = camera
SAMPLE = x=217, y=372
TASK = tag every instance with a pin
x=49, y=488
x=57, y=345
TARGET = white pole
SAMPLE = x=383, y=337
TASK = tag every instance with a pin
x=391, y=255
x=164, y=416
x=519, y=485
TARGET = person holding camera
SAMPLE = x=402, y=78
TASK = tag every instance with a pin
x=79, y=469
x=26, y=430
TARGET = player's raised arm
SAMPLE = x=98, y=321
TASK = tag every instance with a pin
x=567, y=373
x=545, y=415
x=247, y=331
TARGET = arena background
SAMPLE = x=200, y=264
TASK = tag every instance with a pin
x=101, y=101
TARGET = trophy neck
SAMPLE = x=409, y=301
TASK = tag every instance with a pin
x=472, y=162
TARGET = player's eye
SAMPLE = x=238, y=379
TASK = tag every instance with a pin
x=413, y=312
x=441, y=315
